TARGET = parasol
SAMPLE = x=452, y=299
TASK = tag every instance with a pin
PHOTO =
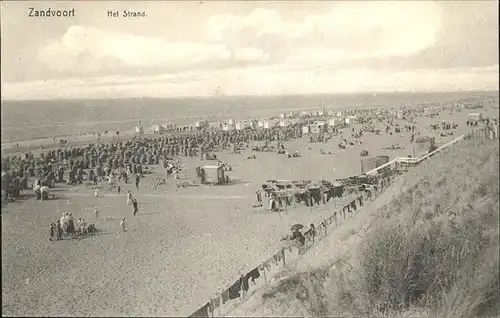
x=297, y=227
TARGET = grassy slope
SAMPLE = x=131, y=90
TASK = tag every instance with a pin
x=431, y=249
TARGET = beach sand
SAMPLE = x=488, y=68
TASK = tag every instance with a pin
x=183, y=246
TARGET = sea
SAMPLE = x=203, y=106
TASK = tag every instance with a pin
x=28, y=120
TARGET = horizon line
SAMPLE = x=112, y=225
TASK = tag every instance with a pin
x=205, y=97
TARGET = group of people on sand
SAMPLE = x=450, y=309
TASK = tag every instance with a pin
x=66, y=225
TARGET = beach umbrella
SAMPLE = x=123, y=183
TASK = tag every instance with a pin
x=297, y=227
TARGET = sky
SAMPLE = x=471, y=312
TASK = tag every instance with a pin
x=195, y=48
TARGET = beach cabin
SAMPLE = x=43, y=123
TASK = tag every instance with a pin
x=285, y=122
x=268, y=124
x=240, y=125
x=212, y=175
x=201, y=124
x=215, y=125
x=351, y=120
x=331, y=122
x=139, y=130
x=157, y=129
x=475, y=117
x=282, y=115
x=305, y=129
x=228, y=127
x=319, y=122
x=169, y=127
x=317, y=128
x=253, y=124
x=230, y=121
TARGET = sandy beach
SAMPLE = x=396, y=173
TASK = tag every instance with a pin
x=183, y=246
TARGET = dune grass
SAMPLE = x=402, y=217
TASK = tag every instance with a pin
x=432, y=251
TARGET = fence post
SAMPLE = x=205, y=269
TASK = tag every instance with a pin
x=283, y=256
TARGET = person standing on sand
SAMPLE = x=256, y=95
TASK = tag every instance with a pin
x=123, y=225
x=52, y=231
x=119, y=189
x=96, y=213
x=96, y=192
x=71, y=225
x=259, y=198
x=59, y=230
x=137, y=179
x=129, y=197
x=134, y=203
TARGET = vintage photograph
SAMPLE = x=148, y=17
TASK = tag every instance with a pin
x=250, y=158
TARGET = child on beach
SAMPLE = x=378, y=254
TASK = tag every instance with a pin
x=123, y=225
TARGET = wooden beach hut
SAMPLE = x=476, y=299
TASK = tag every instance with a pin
x=212, y=175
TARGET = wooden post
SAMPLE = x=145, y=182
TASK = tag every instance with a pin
x=283, y=256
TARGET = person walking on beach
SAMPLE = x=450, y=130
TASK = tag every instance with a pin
x=71, y=225
x=96, y=213
x=137, y=179
x=129, y=197
x=96, y=192
x=119, y=189
x=123, y=225
x=134, y=203
x=259, y=198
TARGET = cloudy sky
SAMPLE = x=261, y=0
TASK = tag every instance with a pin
x=247, y=48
